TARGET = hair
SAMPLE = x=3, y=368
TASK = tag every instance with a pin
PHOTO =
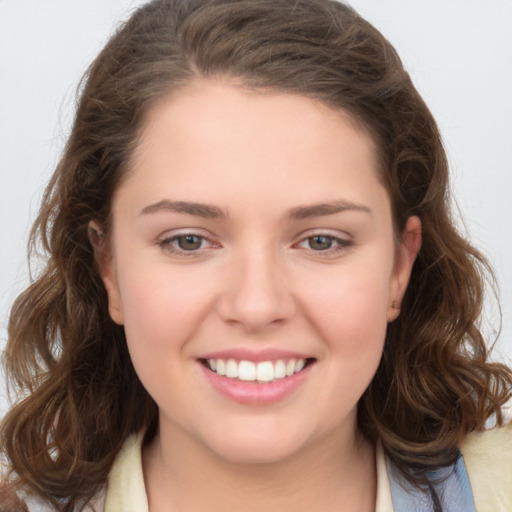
x=81, y=397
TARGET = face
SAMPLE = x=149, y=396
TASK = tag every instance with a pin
x=254, y=266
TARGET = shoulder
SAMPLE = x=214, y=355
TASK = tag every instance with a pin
x=488, y=459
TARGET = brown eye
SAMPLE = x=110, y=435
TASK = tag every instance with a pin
x=189, y=242
x=320, y=242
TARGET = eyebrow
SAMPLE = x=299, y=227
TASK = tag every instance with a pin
x=214, y=212
x=197, y=209
x=324, y=209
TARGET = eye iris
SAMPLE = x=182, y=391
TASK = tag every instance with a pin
x=189, y=242
x=320, y=243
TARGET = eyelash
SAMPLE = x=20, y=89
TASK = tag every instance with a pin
x=340, y=244
x=167, y=244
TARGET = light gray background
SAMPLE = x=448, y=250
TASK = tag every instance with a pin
x=459, y=53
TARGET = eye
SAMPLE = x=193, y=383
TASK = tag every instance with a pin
x=320, y=242
x=186, y=244
x=189, y=242
x=323, y=243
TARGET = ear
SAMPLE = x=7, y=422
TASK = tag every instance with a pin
x=410, y=244
x=106, y=265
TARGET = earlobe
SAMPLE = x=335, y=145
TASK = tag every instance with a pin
x=407, y=251
x=106, y=266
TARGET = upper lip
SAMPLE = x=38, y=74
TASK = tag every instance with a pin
x=244, y=354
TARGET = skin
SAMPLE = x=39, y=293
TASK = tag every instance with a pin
x=256, y=280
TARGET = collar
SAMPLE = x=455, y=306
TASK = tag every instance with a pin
x=126, y=491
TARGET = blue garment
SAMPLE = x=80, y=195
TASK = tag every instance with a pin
x=451, y=485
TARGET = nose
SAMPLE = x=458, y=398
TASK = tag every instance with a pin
x=257, y=294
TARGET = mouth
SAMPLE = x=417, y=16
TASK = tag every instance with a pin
x=261, y=372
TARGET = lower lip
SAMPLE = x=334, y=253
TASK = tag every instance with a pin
x=254, y=393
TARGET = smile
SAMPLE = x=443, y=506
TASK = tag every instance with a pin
x=263, y=371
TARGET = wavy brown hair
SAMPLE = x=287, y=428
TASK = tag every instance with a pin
x=69, y=360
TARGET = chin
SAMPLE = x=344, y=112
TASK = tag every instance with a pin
x=256, y=455
x=258, y=446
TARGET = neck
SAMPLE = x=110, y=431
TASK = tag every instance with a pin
x=320, y=477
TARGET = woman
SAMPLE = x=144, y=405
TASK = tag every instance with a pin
x=254, y=285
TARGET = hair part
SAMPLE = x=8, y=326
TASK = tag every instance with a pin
x=82, y=397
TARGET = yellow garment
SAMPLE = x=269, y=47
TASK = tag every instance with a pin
x=488, y=459
x=125, y=489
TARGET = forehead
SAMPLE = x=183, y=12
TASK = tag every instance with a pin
x=216, y=136
x=203, y=104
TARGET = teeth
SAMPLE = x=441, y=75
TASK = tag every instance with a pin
x=264, y=371
x=231, y=369
x=221, y=366
x=246, y=370
x=280, y=370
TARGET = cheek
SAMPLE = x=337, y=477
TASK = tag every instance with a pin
x=350, y=311
x=163, y=310
x=162, y=306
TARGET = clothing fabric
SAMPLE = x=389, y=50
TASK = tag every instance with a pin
x=451, y=484
x=481, y=479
